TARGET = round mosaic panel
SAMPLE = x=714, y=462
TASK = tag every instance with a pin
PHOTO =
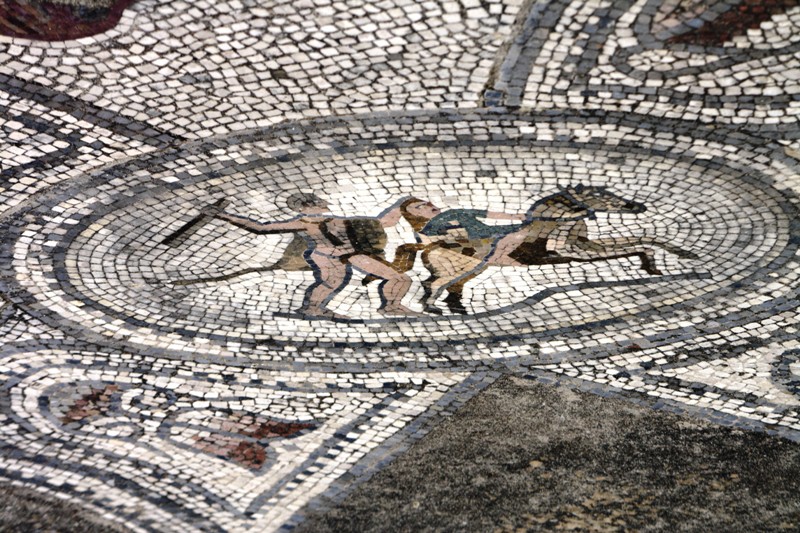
x=478, y=230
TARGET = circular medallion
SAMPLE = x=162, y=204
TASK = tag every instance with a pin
x=428, y=233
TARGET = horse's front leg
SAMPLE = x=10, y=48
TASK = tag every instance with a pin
x=579, y=233
x=615, y=248
x=622, y=243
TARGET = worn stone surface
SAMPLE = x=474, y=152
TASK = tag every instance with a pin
x=27, y=510
x=526, y=456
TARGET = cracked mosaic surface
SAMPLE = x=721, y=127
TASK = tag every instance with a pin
x=251, y=251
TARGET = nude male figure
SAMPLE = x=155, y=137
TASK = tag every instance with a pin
x=333, y=246
x=451, y=241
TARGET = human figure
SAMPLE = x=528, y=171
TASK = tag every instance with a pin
x=333, y=246
x=431, y=225
x=451, y=241
x=469, y=220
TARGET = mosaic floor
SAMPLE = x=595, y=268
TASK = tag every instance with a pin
x=252, y=251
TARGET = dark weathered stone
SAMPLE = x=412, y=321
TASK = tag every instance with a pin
x=526, y=456
x=59, y=21
x=28, y=510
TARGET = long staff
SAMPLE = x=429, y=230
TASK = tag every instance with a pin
x=190, y=228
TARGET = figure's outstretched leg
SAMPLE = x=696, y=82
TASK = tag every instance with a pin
x=393, y=289
x=404, y=258
x=331, y=275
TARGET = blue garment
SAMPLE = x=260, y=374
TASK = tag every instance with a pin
x=468, y=220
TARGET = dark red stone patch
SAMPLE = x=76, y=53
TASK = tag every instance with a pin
x=273, y=429
x=248, y=454
x=244, y=450
x=49, y=21
x=95, y=403
x=749, y=14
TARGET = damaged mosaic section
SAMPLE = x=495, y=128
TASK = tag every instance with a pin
x=59, y=20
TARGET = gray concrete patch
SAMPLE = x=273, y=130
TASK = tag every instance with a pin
x=27, y=510
x=526, y=456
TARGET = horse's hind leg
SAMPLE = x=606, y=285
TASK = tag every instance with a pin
x=604, y=249
x=648, y=262
x=454, y=299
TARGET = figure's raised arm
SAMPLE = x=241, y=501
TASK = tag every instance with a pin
x=260, y=227
x=392, y=215
x=505, y=216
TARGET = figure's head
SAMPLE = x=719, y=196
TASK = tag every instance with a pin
x=422, y=208
x=306, y=203
x=418, y=212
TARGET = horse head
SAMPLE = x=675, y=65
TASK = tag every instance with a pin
x=582, y=201
x=601, y=199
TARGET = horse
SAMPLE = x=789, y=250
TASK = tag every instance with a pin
x=453, y=259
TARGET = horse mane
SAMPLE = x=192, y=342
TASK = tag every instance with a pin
x=562, y=197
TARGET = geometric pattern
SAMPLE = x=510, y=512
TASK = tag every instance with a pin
x=137, y=434
x=617, y=193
